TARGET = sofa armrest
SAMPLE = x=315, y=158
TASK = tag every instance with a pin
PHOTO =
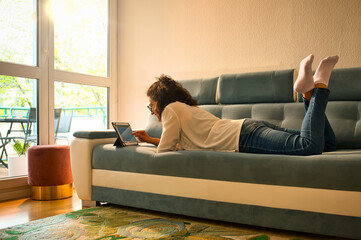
x=95, y=134
x=81, y=152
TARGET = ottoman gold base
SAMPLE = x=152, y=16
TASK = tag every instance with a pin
x=51, y=192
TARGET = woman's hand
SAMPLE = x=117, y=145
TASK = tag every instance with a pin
x=144, y=137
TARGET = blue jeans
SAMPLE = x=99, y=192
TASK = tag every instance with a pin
x=315, y=136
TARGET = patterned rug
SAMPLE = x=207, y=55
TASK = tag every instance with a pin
x=114, y=222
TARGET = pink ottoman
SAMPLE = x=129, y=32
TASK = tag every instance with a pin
x=49, y=172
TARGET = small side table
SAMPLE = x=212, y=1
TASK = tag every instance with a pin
x=49, y=172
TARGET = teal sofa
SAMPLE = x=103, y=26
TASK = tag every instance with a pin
x=318, y=194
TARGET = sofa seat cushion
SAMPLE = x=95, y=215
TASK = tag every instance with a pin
x=336, y=170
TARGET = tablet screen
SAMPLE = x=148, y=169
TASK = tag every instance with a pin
x=126, y=134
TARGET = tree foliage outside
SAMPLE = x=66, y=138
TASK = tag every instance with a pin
x=81, y=45
x=69, y=95
x=18, y=31
x=17, y=92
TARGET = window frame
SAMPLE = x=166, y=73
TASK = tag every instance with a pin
x=46, y=75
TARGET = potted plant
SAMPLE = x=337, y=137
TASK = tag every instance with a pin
x=18, y=165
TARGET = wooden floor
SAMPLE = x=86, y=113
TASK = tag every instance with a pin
x=23, y=210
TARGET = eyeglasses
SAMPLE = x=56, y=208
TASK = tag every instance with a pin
x=150, y=108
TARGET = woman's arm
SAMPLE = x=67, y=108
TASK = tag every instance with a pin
x=170, y=134
x=144, y=137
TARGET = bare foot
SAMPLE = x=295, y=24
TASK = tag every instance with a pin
x=324, y=70
x=304, y=82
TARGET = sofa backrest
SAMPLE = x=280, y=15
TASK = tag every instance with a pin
x=269, y=96
x=258, y=87
x=345, y=85
x=203, y=90
x=344, y=107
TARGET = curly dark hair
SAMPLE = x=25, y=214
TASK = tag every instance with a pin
x=166, y=90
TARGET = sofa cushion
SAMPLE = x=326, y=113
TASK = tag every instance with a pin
x=345, y=120
x=336, y=170
x=345, y=79
x=153, y=127
x=344, y=85
x=258, y=87
x=203, y=90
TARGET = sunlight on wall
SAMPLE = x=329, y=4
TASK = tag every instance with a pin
x=205, y=38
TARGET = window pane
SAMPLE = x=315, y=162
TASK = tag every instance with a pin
x=81, y=36
x=18, y=123
x=82, y=107
x=18, y=31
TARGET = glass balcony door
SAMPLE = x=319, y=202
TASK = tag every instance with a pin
x=37, y=48
x=18, y=84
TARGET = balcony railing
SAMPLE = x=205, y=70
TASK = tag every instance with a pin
x=77, y=112
x=12, y=112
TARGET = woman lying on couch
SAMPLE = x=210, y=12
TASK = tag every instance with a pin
x=188, y=127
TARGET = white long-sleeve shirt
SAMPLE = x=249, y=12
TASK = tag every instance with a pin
x=192, y=128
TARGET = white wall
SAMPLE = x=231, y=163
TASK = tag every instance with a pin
x=205, y=38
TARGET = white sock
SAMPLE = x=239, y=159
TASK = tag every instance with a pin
x=324, y=70
x=304, y=81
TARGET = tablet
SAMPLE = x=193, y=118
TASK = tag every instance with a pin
x=124, y=133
